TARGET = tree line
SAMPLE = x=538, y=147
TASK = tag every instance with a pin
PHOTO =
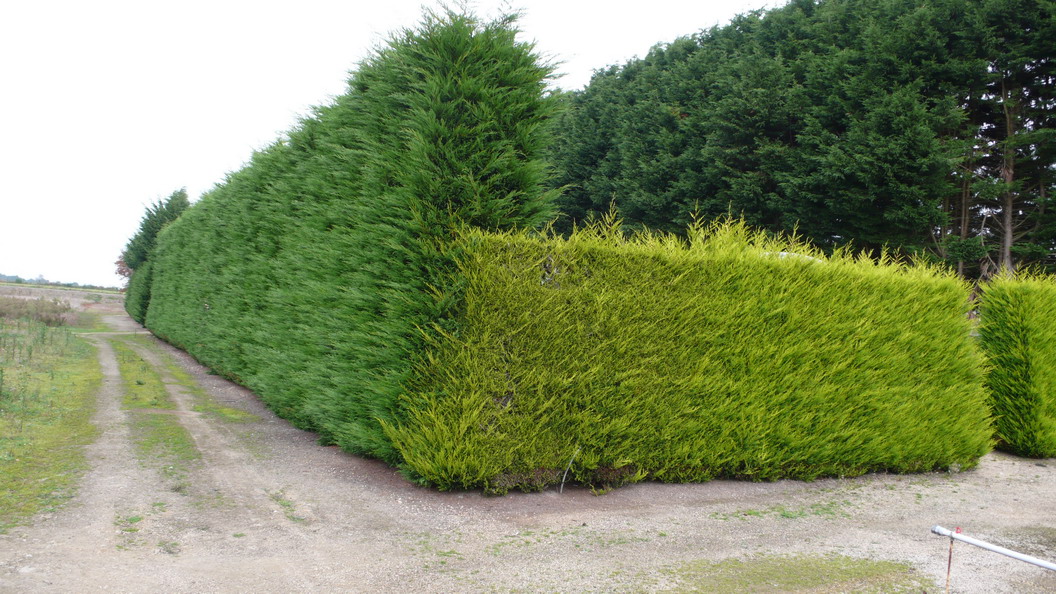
x=922, y=126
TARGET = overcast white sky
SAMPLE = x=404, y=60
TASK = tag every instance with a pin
x=108, y=105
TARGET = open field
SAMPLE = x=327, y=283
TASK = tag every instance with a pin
x=193, y=486
x=49, y=379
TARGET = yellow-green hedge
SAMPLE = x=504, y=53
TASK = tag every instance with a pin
x=732, y=355
x=1018, y=333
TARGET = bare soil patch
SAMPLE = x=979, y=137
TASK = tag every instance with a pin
x=267, y=509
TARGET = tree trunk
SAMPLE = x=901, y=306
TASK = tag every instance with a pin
x=966, y=196
x=1008, y=176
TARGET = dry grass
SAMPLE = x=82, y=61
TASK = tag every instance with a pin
x=51, y=312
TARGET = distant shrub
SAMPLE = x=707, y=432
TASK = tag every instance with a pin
x=732, y=355
x=1018, y=333
x=136, y=257
x=137, y=298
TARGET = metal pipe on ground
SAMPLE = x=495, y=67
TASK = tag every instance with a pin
x=992, y=547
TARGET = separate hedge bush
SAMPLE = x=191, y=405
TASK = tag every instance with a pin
x=733, y=355
x=308, y=274
x=1018, y=333
x=140, y=248
x=137, y=295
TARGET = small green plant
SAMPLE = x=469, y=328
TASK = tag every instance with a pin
x=129, y=526
x=128, y=523
x=169, y=547
x=287, y=506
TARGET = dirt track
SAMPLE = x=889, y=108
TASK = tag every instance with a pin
x=269, y=510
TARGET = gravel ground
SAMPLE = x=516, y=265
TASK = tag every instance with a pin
x=267, y=509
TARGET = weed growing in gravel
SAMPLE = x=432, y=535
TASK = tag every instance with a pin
x=287, y=506
x=214, y=499
x=128, y=527
x=128, y=523
x=169, y=547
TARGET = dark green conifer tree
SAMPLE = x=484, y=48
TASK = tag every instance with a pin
x=923, y=126
x=139, y=249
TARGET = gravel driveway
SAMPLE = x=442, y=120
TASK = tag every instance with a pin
x=267, y=509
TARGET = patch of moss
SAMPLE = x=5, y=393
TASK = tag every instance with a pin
x=1034, y=540
x=799, y=573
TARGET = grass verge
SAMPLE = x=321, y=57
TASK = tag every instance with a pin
x=48, y=383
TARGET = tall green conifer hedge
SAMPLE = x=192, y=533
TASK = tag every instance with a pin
x=309, y=274
x=731, y=356
x=370, y=277
x=1018, y=333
